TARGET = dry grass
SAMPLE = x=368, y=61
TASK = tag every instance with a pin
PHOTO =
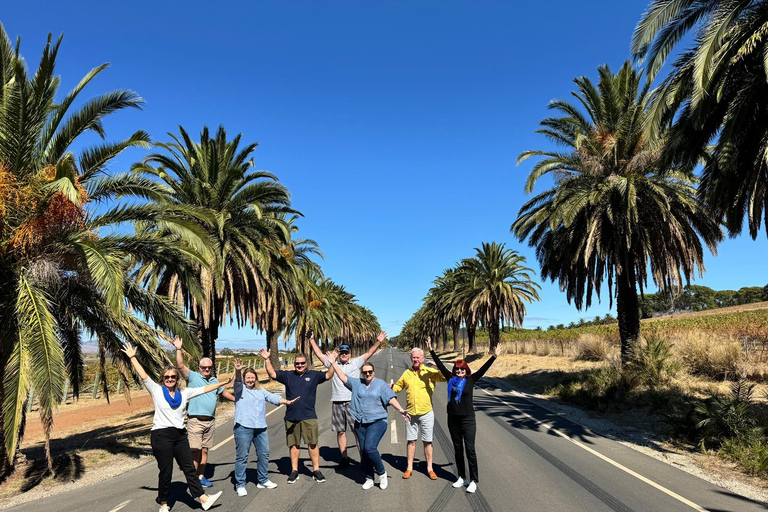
x=704, y=354
x=590, y=347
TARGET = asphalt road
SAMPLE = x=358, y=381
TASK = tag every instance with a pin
x=529, y=458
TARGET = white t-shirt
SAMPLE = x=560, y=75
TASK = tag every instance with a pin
x=165, y=416
x=339, y=392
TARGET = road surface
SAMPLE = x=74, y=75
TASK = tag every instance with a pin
x=530, y=460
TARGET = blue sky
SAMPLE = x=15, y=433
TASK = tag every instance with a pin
x=395, y=125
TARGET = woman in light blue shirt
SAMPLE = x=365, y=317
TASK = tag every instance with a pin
x=370, y=398
x=251, y=426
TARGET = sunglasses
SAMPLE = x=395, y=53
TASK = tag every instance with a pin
x=299, y=363
x=206, y=367
x=460, y=370
x=169, y=377
x=369, y=372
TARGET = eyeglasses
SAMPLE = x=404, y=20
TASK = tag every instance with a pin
x=462, y=370
x=344, y=352
x=299, y=363
x=169, y=377
x=369, y=372
x=206, y=367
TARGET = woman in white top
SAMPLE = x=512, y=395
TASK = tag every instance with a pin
x=168, y=435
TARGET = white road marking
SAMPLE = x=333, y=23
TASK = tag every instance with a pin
x=393, y=434
x=122, y=505
x=233, y=435
x=599, y=455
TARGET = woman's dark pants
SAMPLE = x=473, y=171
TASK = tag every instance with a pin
x=169, y=444
x=463, y=430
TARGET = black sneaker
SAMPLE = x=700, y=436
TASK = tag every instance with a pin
x=344, y=463
x=293, y=477
x=318, y=476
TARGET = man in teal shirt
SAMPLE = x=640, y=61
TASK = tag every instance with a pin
x=201, y=422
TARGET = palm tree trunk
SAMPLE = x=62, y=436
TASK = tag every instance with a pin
x=493, y=334
x=445, y=340
x=273, y=348
x=456, y=327
x=628, y=312
x=471, y=329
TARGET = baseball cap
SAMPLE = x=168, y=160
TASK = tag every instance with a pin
x=344, y=348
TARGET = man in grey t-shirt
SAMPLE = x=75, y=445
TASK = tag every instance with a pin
x=341, y=397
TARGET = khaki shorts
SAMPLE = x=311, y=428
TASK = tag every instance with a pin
x=200, y=433
x=296, y=430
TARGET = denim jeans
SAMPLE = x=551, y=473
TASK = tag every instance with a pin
x=244, y=436
x=368, y=436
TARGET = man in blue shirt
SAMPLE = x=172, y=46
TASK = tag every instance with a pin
x=201, y=422
x=300, y=417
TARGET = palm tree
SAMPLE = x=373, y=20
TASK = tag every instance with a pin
x=237, y=208
x=65, y=268
x=615, y=210
x=717, y=89
x=498, y=287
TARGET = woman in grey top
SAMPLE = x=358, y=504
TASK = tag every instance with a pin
x=168, y=436
x=370, y=398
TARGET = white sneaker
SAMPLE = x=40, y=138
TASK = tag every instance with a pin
x=472, y=487
x=269, y=484
x=383, y=481
x=458, y=483
x=211, y=500
x=165, y=508
x=241, y=491
x=368, y=483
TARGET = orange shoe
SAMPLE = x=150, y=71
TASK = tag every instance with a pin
x=407, y=474
x=432, y=475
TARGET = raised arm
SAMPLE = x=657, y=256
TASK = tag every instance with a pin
x=381, y=337
x=130, y=351
x=180, y=358
x=436, y=359
x=332, y=368
x=238, y=370
x=494, y=354
x=214, y=387
x=267, y=363
x=316, y=349
x=394, y=403
x=335, y=367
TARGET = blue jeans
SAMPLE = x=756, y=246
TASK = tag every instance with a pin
x=369, y=435
x=244, y=436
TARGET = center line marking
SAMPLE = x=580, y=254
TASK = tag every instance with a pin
x=123, y=504
x=233, y=435
x=393, y=435
x=599, y=455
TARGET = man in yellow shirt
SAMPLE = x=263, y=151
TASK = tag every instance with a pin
x=419, y=383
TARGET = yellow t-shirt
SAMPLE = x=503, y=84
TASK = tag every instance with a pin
x=418, y=388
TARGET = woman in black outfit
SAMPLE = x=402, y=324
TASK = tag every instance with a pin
x=461, y=413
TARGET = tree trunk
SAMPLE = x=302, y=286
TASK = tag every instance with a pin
x=456, y=327
x=628, y=311
x=471, y=338
x=493, y=334
x=273, y=348
x=445, y=340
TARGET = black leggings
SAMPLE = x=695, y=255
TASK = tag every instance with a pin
x=463, y=430
x=168, y=444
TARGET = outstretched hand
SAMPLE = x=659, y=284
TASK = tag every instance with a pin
x=238, y=365
x=289, y=402
x=265, y=353
x=496, y=350
x=382, y=336
x=429, y=342
x=229, y=380
x=177, y=342
x=332, y=355
x=129, y=350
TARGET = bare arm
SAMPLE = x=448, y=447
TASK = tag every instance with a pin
x=267, y=363
x=214, y=387
x=180, y=358
x=130, y=351
x=394, y=403
x=332, y=370
x=317, y=350
x=228, y=395
x=334, y=366
x=381, y=337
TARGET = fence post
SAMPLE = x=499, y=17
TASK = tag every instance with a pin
x=218, y=368
x=227, y=371
x=30, y=399
x=119, y=385
x=96, y=385
x=746, y=346
x=66, y=391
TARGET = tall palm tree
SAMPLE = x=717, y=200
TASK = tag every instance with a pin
x=498, y=288
x=717, y=89
x=65, y=266
x=615, y=210
x=238, y=210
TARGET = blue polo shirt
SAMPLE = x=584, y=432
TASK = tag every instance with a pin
x=203, y=405
x=305, y=386
x=369, y=403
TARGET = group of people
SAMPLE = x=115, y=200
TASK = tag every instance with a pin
x=359, y=404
